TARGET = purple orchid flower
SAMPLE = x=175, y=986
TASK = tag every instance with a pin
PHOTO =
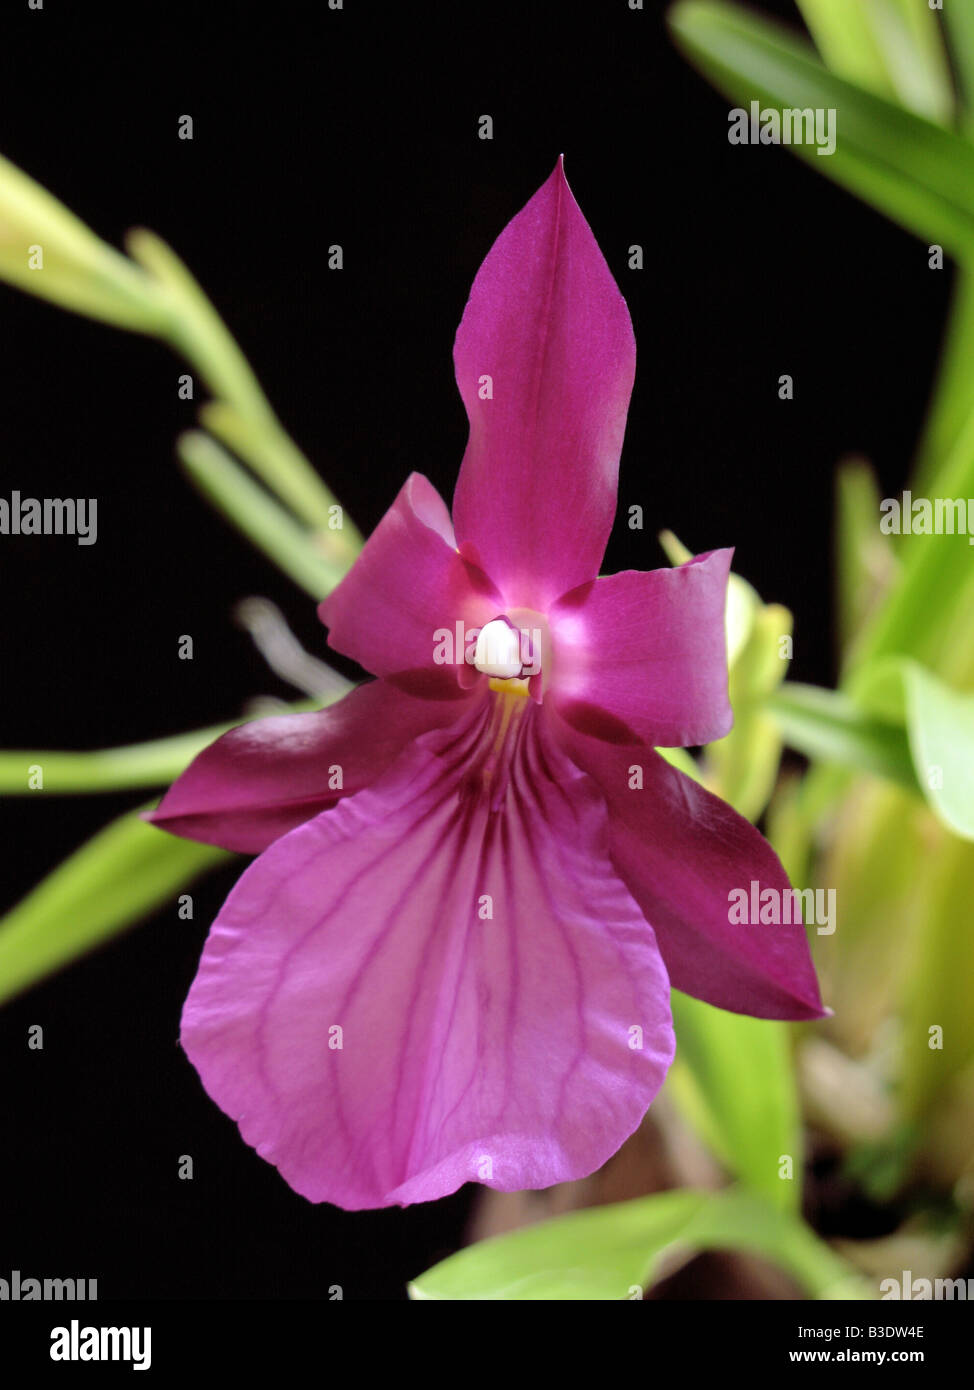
x=477, y=880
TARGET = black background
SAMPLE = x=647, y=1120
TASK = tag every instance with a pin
x=359, y=126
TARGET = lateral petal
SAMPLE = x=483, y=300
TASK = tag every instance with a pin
x=408, y=585
x=642, y=655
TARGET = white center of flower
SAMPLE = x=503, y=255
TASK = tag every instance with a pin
x=498, y=650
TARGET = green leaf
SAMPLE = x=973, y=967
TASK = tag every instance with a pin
x=952, y=405
x=865, y=561
x=916, y=59
x=936, y=1081
x=126, y=871
x=613, y=1252
x=75, y=268
x=959, y=21
x=254, y=512
x=831, y=727
x=151, y=764
x=848, y=42
x=682, y=761
x=734, y=1081
x=941, y=728
x=927, y=613
x=914, y=171
x=893, y=47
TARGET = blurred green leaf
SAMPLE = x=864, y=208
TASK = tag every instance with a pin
x=959, y=21
x=682, y=761
x=927, y=613
x=865, y=561
x=893, y=47
x=848, y=42
x=827, y=725
x=126, y=871
x=937, y=996
x=254, y=512
x=909, y=168
x=611, y=1252
x=151, y=764
x=279, y=463
x=952, y=404
x=75, y=268
x=733, y=1080
x=910, y=35
x=941, y=727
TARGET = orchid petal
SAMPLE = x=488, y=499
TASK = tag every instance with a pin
x=264, y=778
x=382, y=1036
x=408, y=585
x=682, y=852
x=643, y=655
x=546, y=323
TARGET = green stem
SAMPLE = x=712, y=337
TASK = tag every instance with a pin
x=197, y=332
x=151, y=764
x=253, y=511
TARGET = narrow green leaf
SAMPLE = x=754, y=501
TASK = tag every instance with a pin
x=916, y=59
x=865, y=561
x=151, y=764
x=959, y=21
x=282, y=467
x=952, y=405
x=612, y=1252
x=936, y=1072
x=254, y=511
x=196, y=330
x=927, y=613
x=126, y=871
x=734, y=1081
x=829, y=726
x=914, y=171
x=848, y=42
x=48, y=251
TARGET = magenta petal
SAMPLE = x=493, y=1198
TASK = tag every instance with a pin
x=382, y=1036
x=643, y=655
x=546, y=323
x=262, y=779
x=408, y=585
x=681, y=851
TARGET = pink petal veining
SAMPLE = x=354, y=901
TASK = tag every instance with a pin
x=498, y=1050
